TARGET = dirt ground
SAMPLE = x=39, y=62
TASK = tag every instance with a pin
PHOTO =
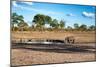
x=80, y=37
x=31, y=54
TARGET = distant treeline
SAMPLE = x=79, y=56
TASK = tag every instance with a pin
x=42, y=22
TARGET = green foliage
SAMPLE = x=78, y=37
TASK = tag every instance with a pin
x=92, y=28
x=15, y=19
x=22, y=26
x=48, y=20
x=54, y=24
x=15, y=29
x=83, y=27
x=39, y=21
x=69, y=28
x=76, y=26
x=62, y=24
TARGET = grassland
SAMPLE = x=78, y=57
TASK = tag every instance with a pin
x=82, y=50
x=79, y=36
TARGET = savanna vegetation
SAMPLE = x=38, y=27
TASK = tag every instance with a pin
x=42, y=22
x=44, y=27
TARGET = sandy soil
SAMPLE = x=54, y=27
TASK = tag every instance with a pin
x=28, y=54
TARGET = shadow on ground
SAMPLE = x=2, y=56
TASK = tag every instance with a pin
x=58, y=48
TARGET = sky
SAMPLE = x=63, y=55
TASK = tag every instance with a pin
x=70, y=13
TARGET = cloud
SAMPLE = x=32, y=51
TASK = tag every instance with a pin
x=70, y=14
x=14, y=4
x=28, y=3
x=32, y=9
x=49, y=12
x=88, y=14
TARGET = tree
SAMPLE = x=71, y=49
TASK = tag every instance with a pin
x=76, y=26
x=92, y=28
x=39, y=21
x=62, y=24
x=22, y=26
x=54, y=24
x=83, y=27
x=48, y=19
x=15, y=19
x=69, y=28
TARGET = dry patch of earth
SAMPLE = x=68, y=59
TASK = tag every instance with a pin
x=30, y=55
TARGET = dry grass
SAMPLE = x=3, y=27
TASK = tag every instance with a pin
x=27, y=55
x=79, y=36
